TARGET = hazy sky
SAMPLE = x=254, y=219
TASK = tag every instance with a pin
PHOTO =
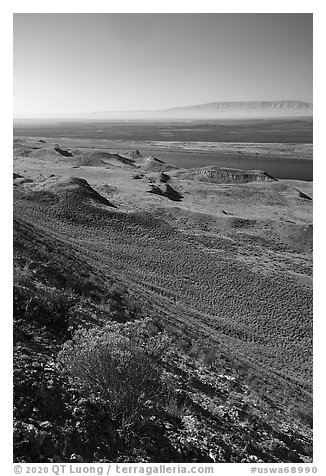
x=75, y=63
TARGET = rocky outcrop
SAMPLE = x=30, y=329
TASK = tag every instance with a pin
x=225, y=175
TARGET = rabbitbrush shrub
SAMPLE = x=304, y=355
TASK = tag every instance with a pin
x=117, y=366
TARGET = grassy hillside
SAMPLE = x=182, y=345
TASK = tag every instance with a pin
x=211, y=310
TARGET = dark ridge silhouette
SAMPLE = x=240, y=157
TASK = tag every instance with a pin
x=164, y=178
x=108, y=155
x=303, y=195
x=271, y=177
x=169, y=192
x=173, y=194
x=63, y=152
x=16, y=176
x=155, y=159
x=226, y=213
x=101, y=158
x=90, y=192
x=156, y=190
x=42, y=141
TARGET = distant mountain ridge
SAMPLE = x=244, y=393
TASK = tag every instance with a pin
x=220, y=109
x=244, y=105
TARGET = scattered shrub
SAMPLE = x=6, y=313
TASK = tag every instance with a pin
x=118, y=366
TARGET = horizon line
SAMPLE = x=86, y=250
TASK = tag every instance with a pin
x=143, y=111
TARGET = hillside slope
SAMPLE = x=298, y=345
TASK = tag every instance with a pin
x=217, y=289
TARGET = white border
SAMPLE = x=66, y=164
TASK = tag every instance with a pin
x=168, y=6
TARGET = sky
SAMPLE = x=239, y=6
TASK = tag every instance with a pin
x=82, y=63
